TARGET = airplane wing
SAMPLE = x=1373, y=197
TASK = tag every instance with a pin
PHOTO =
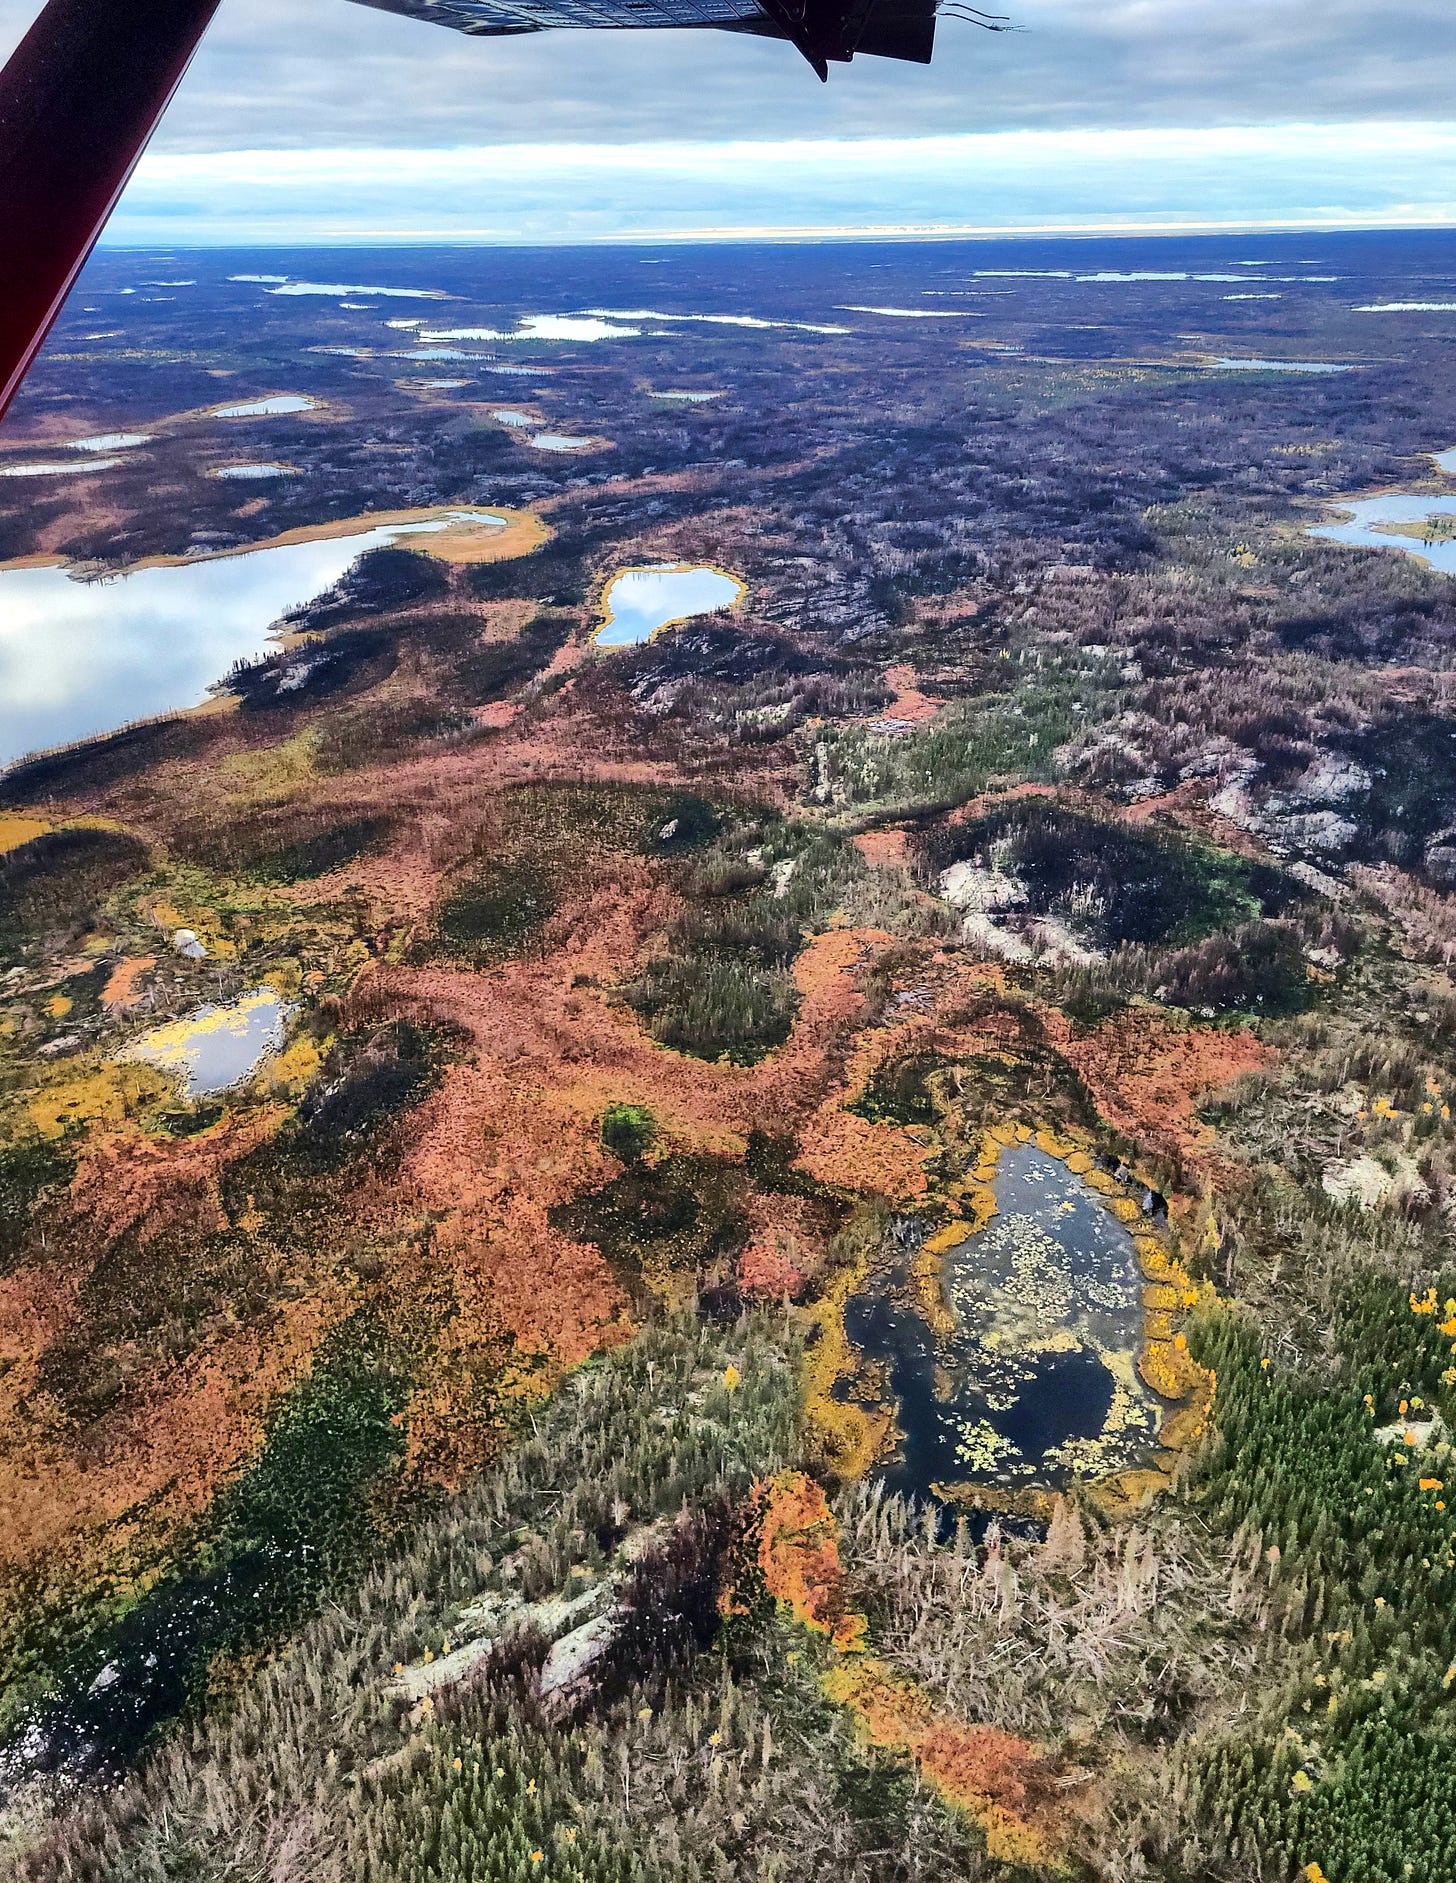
x=87, y=85
x=823, y=30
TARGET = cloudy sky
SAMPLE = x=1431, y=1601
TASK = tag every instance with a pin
x=329, y=120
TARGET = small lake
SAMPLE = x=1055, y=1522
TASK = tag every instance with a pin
x=53, y=468
x=80, y=657
x=540, y=327
x=752, y=321
x=639, y=602
x=244, y=472
x=218, y=1047
x=274, y=407
x=1280, y=366
x=337, y=288
x=109, y=441
x=559, y=441
x=1402, y=513
x=1038, y=1382
x=915, y=313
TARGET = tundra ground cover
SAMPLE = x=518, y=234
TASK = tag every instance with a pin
x=636, y=1034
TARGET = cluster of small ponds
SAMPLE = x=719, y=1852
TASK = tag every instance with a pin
x=96, y=451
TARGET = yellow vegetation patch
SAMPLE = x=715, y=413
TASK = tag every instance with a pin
x=271, y=773
x=110, y=1093
x=15, y=831
x=926, y=1272
x=287, y=1073
x=1167, y=1367
x=851, y=1437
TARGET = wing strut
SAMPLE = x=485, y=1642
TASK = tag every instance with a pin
x=78, y=102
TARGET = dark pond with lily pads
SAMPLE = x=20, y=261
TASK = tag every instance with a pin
x=1038, y=1382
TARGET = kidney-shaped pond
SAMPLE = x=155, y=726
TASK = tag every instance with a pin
x=639, y=602
x=1037, y=1382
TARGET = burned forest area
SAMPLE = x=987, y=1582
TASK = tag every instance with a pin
x=727, y=1036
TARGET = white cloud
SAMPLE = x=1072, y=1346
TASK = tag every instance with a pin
x=274, y=73
x=1311, y=176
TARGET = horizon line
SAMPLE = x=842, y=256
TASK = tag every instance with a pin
x=812, y=234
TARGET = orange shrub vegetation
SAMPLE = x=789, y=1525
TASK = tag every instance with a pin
x=886, y=849
x=769, y=1267
x=798, y=1556
x=121, y=990
x=996, y=1778
x=1147, y=1071
x=842, y=1149
x=783, y=1248
x=909, y=702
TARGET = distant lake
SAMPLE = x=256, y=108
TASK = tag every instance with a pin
x=109, y=441
x=1281, y=366
x=1398, y=508
x=640, y=601
x=280, y=403
x=559, y=441
x=80, y=657
x=54, y=468
x=256, y=470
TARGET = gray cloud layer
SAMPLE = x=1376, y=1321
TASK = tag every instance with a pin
x=280, y=74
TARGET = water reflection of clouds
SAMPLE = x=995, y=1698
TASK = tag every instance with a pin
x=217, y=1047
x=640, y=601
x=79, y=658
x=1393, y=520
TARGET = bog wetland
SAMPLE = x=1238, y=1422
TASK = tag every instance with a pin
x=1033, y=1378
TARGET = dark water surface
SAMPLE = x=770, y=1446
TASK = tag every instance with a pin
x=1037, y=1384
